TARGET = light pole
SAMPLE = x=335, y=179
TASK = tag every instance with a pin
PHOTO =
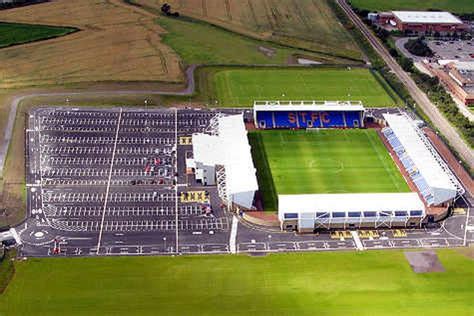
x=164, y=243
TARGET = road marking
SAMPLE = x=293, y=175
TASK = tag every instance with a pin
x=355, y=236
x=466, y=225
x=233, y=235
x=176, y=175
x=108, y=182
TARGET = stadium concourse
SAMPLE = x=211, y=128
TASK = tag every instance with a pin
x=128, y=181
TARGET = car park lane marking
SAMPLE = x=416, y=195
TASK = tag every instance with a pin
x=110, y=178
x=176, y=175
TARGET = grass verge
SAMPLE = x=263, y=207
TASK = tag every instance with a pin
x=7, y=268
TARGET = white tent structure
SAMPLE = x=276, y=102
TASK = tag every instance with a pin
x=433, y=178
x=307, y=212
x=223, y=157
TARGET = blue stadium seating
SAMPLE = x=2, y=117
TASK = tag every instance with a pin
x=308, y=119
x=409, y=166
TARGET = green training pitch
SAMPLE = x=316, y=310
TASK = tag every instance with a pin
x=330, y=283
x=241, y=87
x=16, y=33
x=329, y=161
x=458, y=6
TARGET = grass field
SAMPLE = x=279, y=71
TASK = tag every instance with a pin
x=198, y=42
x=330, y=283
x=17, y=33
x=328, y=161
x=240, y=87
x=457, y=6
x=305, y=24
x=115, y=42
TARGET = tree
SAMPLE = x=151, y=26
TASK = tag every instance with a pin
x=166, y=8
x=406, y=64
x=393, y=52
x=418, y=47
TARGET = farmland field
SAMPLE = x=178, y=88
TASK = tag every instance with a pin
x=15, y=33
x=241, y=87
x=457, y=6
x=115, y=42
x=330, y=161
x=305, y=24
x=198, y=42
x=330, y=283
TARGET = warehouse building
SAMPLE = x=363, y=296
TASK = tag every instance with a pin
x=421, y=22
x=462, y=74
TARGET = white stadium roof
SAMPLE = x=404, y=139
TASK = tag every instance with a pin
x=423, y=156
x=308, y=106
x=231, y=149
x=349, y=202
x=432, y=17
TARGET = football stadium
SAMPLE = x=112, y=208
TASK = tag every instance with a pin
x=324, y=168
x=186, y=180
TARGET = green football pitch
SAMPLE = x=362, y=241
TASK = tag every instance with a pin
x=329, y=283
x=241, y=87
x=324, y=161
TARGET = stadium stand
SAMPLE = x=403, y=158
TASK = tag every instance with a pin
x=310, y=212
x=223, y=157
x=308, y=114
x=432, y=177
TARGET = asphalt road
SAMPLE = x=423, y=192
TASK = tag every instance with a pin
x=438, y=120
